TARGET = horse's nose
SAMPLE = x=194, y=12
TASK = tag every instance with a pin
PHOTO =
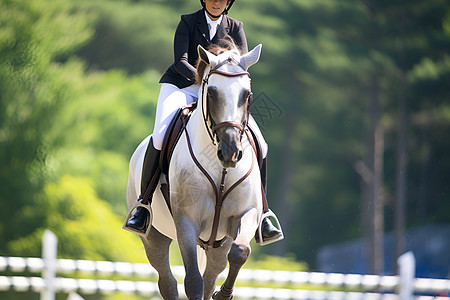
x=229, y=155
x=229, y=150
x=235, y=157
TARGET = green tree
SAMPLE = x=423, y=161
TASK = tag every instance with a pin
x=32, y=35
x=99, y=130
x=133, y=35
x=79, y=82
x=332, y=60
x=85, y=225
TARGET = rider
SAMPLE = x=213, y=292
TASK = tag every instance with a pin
x=179, y=89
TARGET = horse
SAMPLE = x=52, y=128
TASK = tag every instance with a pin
x=215, y=187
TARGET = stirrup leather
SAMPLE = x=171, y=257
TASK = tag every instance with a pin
x=262, y=242
x=144, y=233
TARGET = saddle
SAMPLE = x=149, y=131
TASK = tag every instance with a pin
x=171, y=138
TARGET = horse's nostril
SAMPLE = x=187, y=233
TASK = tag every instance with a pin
x=220, y=155
x=239, y=155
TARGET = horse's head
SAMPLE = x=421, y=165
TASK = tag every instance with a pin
x=225, y=100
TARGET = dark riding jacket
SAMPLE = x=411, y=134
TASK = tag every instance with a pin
x=191, y=32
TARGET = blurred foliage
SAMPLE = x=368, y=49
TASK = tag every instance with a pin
x=78, y=89
x=85, y=226
x=269, y=262
x=32, y=92
x=133, y=35
x=112, y=114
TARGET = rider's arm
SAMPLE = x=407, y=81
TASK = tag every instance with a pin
x=238, y=35
x=181, y=48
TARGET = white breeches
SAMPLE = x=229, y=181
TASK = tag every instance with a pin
x=170, y=99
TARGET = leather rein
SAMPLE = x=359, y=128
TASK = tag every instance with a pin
x=220, y=192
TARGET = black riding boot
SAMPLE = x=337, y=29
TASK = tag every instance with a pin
x=150, y=175
x=269, y=232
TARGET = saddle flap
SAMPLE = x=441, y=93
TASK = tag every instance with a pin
x=254, y=142
x=173, y=134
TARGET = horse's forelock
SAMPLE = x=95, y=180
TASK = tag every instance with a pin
x=216, y=49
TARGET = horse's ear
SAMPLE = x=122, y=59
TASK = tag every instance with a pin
x=251, y=57
x=206, y=56
x=203, y=54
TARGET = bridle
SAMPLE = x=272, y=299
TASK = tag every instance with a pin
x=207, y=118
x=219, y=191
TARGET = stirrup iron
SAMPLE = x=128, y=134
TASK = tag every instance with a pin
x=270, y=214
x=145, y=232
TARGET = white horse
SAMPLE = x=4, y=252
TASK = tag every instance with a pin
x=213, y=162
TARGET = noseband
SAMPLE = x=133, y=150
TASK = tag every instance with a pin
x=212, y=129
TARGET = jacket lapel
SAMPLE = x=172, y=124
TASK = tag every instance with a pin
x=222, y=29
x=202, y=26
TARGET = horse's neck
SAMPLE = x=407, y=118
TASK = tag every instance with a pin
x=199, y=136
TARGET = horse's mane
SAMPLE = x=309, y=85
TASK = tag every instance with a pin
x=223, y=45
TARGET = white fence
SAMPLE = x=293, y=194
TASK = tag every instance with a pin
x=400, y=287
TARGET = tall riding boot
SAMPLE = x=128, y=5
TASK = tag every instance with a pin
x=149, y=180
x=269, y=232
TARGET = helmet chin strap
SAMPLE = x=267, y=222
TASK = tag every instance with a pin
x=211, y=15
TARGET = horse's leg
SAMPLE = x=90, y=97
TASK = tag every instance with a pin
x=187, y=234
x=239, y=253
x=157, y=250
x=216, y=263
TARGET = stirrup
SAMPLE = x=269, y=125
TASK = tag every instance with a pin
x=262, y=242
x=144, y=233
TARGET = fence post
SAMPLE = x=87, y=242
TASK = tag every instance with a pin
x=49, y=244
x=407, y=270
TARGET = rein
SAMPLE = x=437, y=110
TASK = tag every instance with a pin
x=220, y=193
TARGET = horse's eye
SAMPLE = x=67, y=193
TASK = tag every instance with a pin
x=212, y=93
x=244, y=97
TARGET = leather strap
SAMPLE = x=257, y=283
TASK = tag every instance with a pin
x=228, y=74
x=250, y=137
x=228, y=123
x=206, y=116
x=197, y=163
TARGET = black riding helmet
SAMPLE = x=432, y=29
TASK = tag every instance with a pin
x=225, y=12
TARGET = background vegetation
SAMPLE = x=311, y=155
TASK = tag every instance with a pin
x=352, y=97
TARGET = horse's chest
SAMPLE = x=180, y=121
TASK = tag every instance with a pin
x=193, y=195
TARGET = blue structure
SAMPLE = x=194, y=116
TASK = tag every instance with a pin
x=430, y=245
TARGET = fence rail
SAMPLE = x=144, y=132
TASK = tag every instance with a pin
x=370, y=286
